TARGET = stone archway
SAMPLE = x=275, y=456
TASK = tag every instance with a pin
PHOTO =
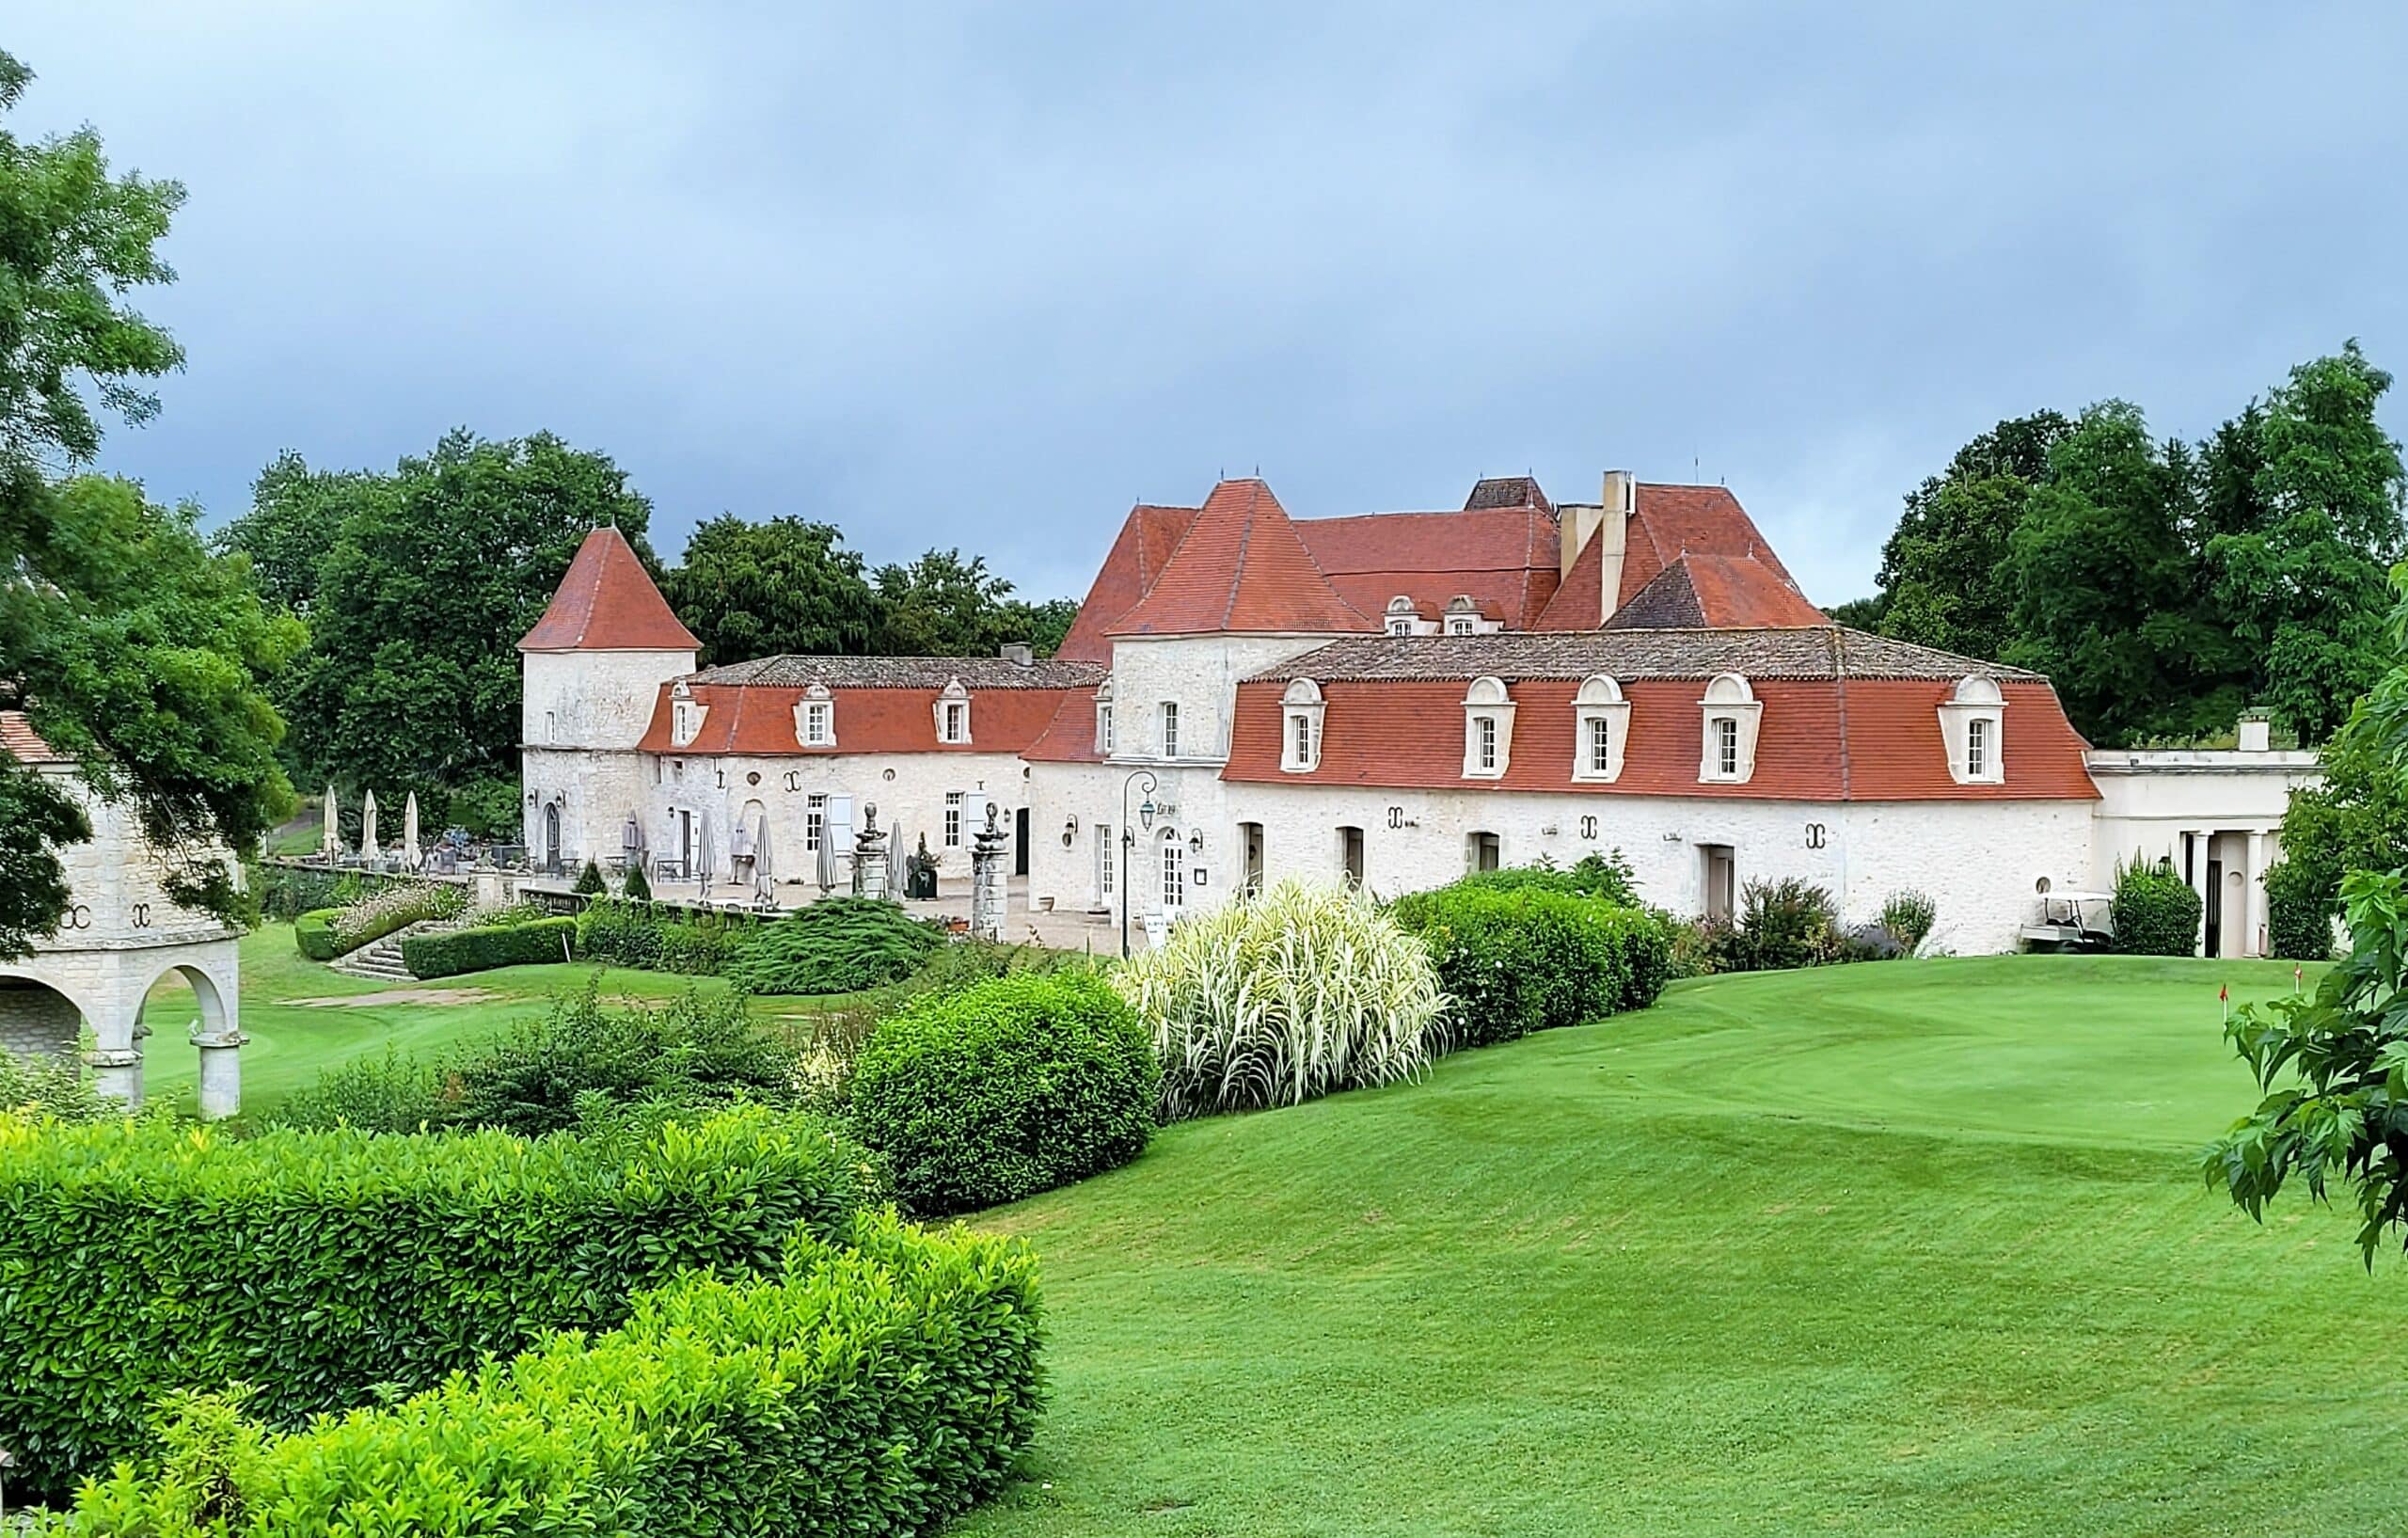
x=106, y=985
x=37, y=1018
x=215, y=1035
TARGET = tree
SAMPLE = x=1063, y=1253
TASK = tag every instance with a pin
x=939, y=605
x=1945, y=577
x=1861, y=613
x=133, y=652
x=295, y=514
x=412, y=677
x=1040, y=624
x=2334, y=1064
x=2300, y=575
x=750, y=590
x=2106, y=589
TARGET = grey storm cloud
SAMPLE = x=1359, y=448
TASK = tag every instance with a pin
x=985, y=275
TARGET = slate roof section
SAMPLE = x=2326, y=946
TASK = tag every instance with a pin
x=1148, y=536
x=20, y=741
x=606, y=602
x=929, y=672
x=1827, y=651
x=1242, y=568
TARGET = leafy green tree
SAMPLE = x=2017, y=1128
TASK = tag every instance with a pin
x=941, y=605
x=135, y=653
x=2333, y=1064
x=1861, y=613
x=2302, y=577
x=412, y=678
x=1042, y=624
x=295, y=514
x=750, y=590
x=1945, y=576
x=2106, y=586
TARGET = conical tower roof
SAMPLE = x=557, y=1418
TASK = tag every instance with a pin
x=608, y=603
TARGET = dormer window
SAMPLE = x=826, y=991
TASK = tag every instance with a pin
x=1300, y=716
x=1463, y=616
x=1103, y=733
x=814, y=718
x=1488, y=730
x=1600, y=730
x=953, y=716
x=685, y=716
x=1402, y=620
x=1732, y=714
x=1972, y=728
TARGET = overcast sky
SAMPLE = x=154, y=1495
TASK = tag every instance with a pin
x=985, y=275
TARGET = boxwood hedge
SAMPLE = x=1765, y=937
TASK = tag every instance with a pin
x=141, y=1258
x=876, y=1388
x=1525, y=959
x=447, y=953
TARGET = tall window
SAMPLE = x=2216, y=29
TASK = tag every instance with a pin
x=1104, y=726
x=1170, y=728
x=956, y=721
x=1726, y=747
x=1977, y=748
x=1174, y=876
x=1488, y=742
x=1303, y=726
x=814, y=822
x=683, y=723
x=953, y=819
x=551, y=726
x=815, y=718
x=1601, y=742
x=1103, y=860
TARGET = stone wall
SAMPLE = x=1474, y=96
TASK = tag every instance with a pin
x=37, y=1019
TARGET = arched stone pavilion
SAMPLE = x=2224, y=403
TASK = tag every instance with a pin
x=121, y=936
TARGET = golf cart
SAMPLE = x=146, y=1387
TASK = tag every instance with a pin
x=2070, y=921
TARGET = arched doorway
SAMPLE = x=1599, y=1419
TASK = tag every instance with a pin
x=552, y=838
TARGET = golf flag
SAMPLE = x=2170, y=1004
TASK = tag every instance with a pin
x=2298, y=971
x=2223, y=996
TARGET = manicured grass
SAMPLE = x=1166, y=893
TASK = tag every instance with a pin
x=1912, y=1249
x=292, y=1043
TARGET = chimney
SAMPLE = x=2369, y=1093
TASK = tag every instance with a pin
x=1621, y=500
x=2255, y=733
x=1020, y=654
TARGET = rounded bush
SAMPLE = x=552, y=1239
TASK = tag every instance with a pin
x=1518, y=959
x=2155, y=911
x=835, y=946
x=2299, y=918
x=1006, y=1089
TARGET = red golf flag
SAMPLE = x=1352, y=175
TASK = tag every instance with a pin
x=2223, y=995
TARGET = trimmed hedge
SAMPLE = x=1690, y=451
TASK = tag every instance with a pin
x=447, y=953
x=324, y=934
x=877, y=1388
x=1522, y=958
x=635, y=934
x=2154, y=910
x=138, y=1258
x=314, y=933
x=1006, y=1089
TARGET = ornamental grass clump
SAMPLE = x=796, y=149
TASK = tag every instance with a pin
x=1284, y=997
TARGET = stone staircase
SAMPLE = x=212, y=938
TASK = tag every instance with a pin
x=381, y=958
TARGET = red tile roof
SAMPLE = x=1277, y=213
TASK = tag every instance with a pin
x=1666, y=523
x=757, y=719
x=1827, y=739
x=1070, y=738
x=20, y=741
x=1242, y=567
x=1720, y=590
x=1148, y=537
x=608, y=603
x=1503, y=556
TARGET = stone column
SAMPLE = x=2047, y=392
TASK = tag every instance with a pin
x=987, y=880
x=2253, y=891
x=116, y=1072
x=869, y=855
x=2201, y=839
x=221, y=1071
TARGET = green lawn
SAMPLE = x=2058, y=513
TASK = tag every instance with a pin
x=1913, y=1248
x=292, y=1043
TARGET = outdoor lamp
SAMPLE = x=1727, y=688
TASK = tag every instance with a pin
x=1197, y=843
x=1069, y=833
x=1146, y=814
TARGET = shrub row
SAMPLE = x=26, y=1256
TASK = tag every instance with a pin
x=1519, y=959
x=2299, y=917
x=875, y=1388
x=326, y=933
x=138, y=1258
x=2154, y=910
x=447, y=953
x=1006, y=1089
x=636, y=934
x=1607, y=876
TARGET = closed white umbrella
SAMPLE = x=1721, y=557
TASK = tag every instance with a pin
x=704, y=860
x=333, y=840
x=368, y=829
x=764, y=879
x=826, y=874
x=409, y=831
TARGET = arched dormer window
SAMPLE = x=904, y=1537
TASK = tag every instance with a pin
x=1488, y=730
x=814, y=718
x=1402, y=620
x=1103, y=726
x=685, y=715
x=1973, y=727
x=1732, y=715
x=1600, y=730
x=953, y=716
x=1463, y=616
x=1300, y=716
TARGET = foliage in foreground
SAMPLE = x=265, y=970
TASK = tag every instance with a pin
x=1006, y=1089
x=1526, y=958
x=142, y=1258
x=1283, y=997
x=59, y=1088
x=878, y=1385
x=2154, y=910
x=1906, y=918
x=701, y=1051
x=835, y=946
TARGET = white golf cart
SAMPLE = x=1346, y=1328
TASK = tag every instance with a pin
x=2070, y=921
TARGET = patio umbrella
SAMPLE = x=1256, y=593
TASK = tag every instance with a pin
x=409, y=831
x=765, y=883
x=826, y=874
x=368, y=829
x=704, y=859
x=333, y=840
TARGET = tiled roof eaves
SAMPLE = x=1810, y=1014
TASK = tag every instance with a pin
x=1765, y=651
x=976, y=673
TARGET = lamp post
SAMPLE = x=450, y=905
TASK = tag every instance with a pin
x=1129, y=844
